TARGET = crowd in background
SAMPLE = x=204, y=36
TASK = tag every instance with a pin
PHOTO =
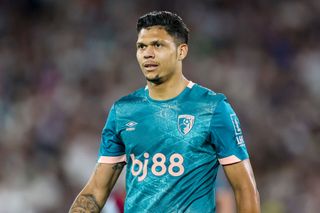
x=63, y=63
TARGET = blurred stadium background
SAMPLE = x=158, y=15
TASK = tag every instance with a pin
x=63, y=63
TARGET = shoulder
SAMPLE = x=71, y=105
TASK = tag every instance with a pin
x=135, y=97
x=205, y=94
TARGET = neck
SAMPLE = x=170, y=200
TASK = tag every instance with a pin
x=168, y=89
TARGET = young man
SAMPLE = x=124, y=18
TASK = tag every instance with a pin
x=172, y=135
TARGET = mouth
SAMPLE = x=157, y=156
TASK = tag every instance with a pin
x=150, y=66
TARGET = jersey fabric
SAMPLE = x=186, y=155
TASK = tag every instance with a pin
x=172, y=148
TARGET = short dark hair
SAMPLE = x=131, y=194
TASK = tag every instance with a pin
x=171, y=22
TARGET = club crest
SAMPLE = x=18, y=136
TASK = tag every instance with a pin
x=185, y=123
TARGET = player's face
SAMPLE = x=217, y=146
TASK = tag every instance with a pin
x=156, y=54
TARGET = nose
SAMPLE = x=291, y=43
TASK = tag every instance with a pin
x=149, y=52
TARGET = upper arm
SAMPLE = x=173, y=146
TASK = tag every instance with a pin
x=232, y=154
x=111, y=158
x=226, y=134
x=242, y=180
x=240, y=175
x=112, y=148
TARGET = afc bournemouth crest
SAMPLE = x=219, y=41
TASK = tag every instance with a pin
x=185, y=123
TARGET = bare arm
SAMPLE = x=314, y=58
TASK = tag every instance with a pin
x=94, y=195
x=241, y=178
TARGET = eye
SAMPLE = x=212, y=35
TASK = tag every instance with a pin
x=158, y=45
x=141, y=46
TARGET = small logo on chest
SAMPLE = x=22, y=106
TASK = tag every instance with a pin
x=185, y=123
x=131, y=126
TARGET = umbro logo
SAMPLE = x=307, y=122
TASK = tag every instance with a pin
x=131, y=126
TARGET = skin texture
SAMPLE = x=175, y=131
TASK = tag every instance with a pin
x=165, y=81
x=156, y=46
x=94, y=195
x=241, y=178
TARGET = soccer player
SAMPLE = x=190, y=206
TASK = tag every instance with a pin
x=171, y=134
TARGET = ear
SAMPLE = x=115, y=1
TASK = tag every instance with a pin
x=182, y=51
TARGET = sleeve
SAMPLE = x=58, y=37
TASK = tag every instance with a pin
x=112, y=149
x=227, y=135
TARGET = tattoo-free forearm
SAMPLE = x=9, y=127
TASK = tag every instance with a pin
x=248, y=201
x=85, y=203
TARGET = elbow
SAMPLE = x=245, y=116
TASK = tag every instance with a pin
x=248, y=199
x=255, y=192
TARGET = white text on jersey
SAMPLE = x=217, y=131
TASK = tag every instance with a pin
x=158, y=161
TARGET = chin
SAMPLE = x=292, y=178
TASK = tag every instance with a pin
x=155, y=80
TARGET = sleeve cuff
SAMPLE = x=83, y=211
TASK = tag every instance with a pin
x=113, y=159
x=229, y=160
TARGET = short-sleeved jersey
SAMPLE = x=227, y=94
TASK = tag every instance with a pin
x=172, y=148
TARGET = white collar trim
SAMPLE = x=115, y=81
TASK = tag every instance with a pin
x=190, y=84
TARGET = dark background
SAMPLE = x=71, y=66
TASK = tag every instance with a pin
x=63, y=63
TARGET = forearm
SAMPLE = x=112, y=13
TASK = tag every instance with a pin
x=94, y=195
x=85, y=203
x=90, y=199
x=247, y=200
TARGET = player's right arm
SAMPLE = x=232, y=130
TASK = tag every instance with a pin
x=95, y=193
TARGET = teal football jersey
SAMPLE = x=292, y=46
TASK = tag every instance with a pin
x=172, y=148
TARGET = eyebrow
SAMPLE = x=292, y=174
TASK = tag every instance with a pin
x=151, y=43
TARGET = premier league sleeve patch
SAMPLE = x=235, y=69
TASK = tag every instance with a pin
x=237, y=129
x=185, y=123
